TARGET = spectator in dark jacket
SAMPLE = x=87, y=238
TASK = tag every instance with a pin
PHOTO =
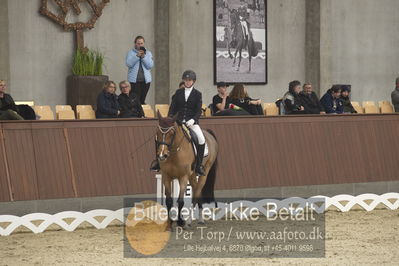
x=129, y=105
x=395, y=96
x=221, y=103
x=107, y=102
x=348, y=108
x=8, y=109
x=331, y=101
x=240, y=100
x=291, y=103
x=310, y=100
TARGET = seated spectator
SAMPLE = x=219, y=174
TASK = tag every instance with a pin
x=331, y=101
x=129, y=105
x=395, y=96
x=107, y=102
x=310, y=100
x=221, y=103
x=8, y=109
x=291, y=103
x=239, y=98
x=348, y=108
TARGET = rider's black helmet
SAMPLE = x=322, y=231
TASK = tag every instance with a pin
x=189, y=74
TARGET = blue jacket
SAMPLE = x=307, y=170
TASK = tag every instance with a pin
x=331, y=105
x=133, y=64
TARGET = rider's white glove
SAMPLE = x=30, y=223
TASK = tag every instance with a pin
x=190, y=123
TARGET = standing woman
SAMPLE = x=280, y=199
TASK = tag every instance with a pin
x=139, y=62
x=187, y=103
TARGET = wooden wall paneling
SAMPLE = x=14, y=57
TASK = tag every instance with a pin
x=53, y=170
x=5, y=181
x=21, y=162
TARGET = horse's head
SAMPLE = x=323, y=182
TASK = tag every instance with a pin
x=165, y=136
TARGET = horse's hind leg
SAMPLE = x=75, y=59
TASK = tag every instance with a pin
x=197, y=195
x=250, y=60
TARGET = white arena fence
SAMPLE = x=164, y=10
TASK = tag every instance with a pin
x=344, y=203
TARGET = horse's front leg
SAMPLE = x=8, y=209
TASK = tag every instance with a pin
x=228, y=48
x=167, y=182
x=180, y=201
x=235, y=56
x=239, y=60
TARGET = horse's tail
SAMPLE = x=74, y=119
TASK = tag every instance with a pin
x=208, y=194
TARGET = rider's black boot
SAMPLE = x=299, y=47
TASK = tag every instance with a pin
x=199, y=169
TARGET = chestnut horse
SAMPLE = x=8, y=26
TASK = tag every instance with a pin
x=177, y=161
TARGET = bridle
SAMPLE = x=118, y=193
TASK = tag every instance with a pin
x=164, y=132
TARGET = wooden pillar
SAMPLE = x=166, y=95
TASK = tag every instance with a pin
x=162, y=56
x=312, y=44
x=79, y=40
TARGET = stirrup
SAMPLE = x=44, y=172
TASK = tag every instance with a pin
x=200, y=171
x=155, y=166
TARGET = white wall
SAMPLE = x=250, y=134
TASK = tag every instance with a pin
x=41, y=52
x=359, y=46
x=359, y=40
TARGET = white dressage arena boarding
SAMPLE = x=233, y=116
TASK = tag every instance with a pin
x=321, y=203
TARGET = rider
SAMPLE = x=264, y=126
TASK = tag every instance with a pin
x=187, y=103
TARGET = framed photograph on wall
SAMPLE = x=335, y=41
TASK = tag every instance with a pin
x=240, y=41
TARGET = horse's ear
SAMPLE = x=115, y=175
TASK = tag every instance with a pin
x=159, y=115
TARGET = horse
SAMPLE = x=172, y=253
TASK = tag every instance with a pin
x=176, y=158
x=242, y=42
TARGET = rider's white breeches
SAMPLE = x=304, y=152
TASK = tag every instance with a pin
x=197, y=130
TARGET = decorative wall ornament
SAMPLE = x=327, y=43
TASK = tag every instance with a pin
x=66, y=6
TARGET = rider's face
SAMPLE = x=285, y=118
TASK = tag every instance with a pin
x=188, y=83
